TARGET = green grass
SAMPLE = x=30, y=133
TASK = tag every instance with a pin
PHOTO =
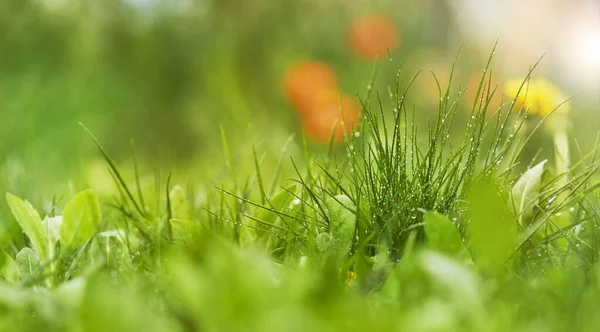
x=400, y=228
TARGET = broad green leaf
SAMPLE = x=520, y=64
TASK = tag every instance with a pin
x=405, y=275
x=9, y=270
x=442, y=235
x=5, y=236
x=31, y=223
x=492, y=232
x=525, y=192
x=343, y=222
x=29, y=264
x=113, y=245
x=180, y=205
x=80, y=217
x=323, y=242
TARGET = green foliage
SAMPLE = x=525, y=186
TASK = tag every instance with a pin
x=392, y=231
x=9, y=270
x=324, y=242
x=31, y=223
x=184, y=230
x=29, y=265
x=180, y=206
x=52, y=226
x=281, y=201
x=442, y=235
x=99, y=311
x=81, y=217
x=526, y=191
x=342, y=219
x=492, y=232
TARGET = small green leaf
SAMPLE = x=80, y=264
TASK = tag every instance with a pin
x=492, y=232
x=442, y=234
x=31, y=223
x=526, y=190
x=8, y=268
x=29, y=264
x=80, y=217
x=280, y=202
x=343, y=222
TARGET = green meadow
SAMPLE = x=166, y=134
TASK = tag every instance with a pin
x=263, y=165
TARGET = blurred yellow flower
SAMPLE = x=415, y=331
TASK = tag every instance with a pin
x=538, y=96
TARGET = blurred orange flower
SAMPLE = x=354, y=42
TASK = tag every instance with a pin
x=307, y=83
x=326, y=120
x=371, y=36
x=312, y=88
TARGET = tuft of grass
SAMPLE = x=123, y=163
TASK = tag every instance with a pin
x=390, y=174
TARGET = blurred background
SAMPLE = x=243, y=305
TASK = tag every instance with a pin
x=168, y=75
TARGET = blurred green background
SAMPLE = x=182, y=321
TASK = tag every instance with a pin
x=168, y=74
